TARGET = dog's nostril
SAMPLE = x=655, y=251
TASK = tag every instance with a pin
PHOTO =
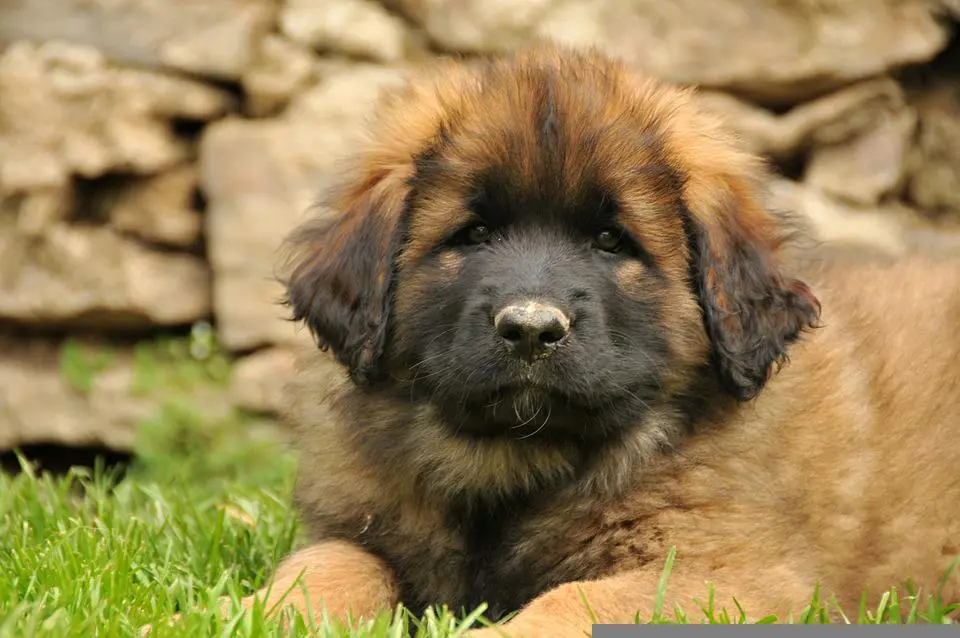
x=532, y=331
x=511, y=334
x=551, y=336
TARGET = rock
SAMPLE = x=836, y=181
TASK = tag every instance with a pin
x=64, y=110
x=259, y=381
x=280, y=69
x=87, y=397
x=833, y=119
x=867, y=168
x=413, y=10
x=761, y=130
x=158, y=209
x=91, y=276
x=213, y=38
x=480, y=26
x=361, y=28
x=33, y=213
x=38, y=405
x=769, y=50
x=933, y=181
x=260, y=178
x=890, y=229
x=860, y=138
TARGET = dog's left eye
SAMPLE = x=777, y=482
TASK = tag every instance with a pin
x=473, y=235
x=478, y=234
x=608, y=240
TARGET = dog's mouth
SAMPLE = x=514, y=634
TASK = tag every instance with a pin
x=525, y=409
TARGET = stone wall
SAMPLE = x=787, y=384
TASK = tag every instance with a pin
x=153, y=153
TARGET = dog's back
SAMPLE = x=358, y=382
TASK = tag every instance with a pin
x=846, y=470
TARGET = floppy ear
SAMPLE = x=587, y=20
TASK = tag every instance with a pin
x=341, y=271
x=752, y=311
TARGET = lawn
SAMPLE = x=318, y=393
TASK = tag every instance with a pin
x=202, y=512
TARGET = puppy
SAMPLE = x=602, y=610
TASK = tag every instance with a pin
x=554, y=322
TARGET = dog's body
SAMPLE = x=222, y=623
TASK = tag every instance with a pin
x=460, y=462
x=844, y=471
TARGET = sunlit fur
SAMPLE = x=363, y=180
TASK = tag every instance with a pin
x=465, y=475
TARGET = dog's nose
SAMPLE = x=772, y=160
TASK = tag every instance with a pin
x=533, y=330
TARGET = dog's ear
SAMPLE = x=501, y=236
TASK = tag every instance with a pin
x=752, y=310
x=339, y=272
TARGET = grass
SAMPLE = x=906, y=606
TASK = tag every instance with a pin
x=204, y=512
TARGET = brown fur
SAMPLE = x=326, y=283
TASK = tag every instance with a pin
x=840, y=469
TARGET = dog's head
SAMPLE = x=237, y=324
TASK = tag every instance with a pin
x=548, y=238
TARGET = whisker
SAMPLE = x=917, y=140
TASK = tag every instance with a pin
x=542, y=425
x=520, y=425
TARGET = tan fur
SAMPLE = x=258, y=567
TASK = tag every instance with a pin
x=347, y=579
x=842, y=471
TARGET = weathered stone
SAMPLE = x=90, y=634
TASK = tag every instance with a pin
x=214, y=38
x=361, y=28
x=833, y=119
x=46, y=399
x=770, y=50
x=760, y=130
x=261, y=178
x=64, y=110
x=159, y=209
x=34, y=212
x=280, y=69
x=38, y=405
x=892, y=229
x=868, y=167
x=412, y=10
x=259, y=381
x=78, y=275
x=934, y=161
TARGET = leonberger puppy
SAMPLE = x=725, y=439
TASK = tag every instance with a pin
x=560, y=333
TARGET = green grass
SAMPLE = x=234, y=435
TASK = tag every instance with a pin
x=205, y=512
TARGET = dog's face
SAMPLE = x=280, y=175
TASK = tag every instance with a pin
x=546, y=242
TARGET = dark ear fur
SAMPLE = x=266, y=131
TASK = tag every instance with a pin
x=752, y=312
x=341, y=272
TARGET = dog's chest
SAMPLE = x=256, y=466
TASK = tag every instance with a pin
x=503, y=556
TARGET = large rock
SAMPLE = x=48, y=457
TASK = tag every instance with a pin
x=861, y=159
x=890, y=229
x=65, y=110
x=91, y=276
x=259, y=381
x=934, y=163
x=159, y=209
x=770, y=50
x=261, y=178
x=867, y=168
x=39, y=405
x=855, y=141
x=828, y=121
x=362, y=28
x=87, y=396
x=214, y=38
x=279, y=70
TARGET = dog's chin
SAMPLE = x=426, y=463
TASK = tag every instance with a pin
x=539, y=414
x=514, y=411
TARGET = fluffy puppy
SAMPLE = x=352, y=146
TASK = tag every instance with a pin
x=553, y=313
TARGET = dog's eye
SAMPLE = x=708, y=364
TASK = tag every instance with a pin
x=608, y=240
x=478, y=234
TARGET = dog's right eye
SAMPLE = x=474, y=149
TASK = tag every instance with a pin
x=477, y=234
x=474, y=235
